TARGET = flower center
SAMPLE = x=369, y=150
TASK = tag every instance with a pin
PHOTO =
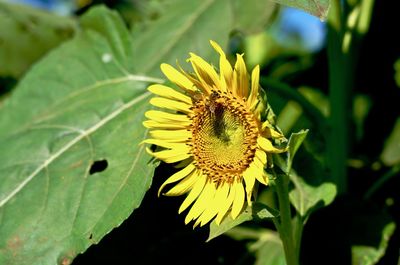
x=224, y=136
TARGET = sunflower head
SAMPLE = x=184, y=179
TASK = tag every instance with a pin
x=211, y=126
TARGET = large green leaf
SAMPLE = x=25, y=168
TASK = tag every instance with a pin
x=251, y=16
x=81, y=104
x=185, y=26
x=318, y=8
x=26, y=34
x=73, y=168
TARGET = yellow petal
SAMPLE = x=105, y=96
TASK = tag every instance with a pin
x=170, y=104
x=219, y=199
x=262, y=178
x=170, y=93
x=258, y=164
x=225, y=67
x=196, y=223
x=199, y=86
x=165, y=144
x=177, y=176
x=163, y=125
x=261, y=156
x=204, y=71
x=202, y=202
x=183, y=186
x=194, y=193
x=255, y=79
x=177, y=77
x=266, y=126
x=249, y=179
x=239, y=199
x=171, y=135
x=242, y=79
x=170, y=156
x=226, y=205
x=161, y=116
x=267, y=146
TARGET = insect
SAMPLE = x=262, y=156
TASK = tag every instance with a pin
x=216, y=109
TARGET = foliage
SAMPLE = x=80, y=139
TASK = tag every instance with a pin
x=73, y=168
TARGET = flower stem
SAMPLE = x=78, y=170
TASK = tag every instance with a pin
x=285, y=227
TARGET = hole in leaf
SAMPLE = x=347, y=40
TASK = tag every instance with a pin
x=98, y=166
x=90, y=236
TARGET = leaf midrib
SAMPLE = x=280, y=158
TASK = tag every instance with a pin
x=71, y=143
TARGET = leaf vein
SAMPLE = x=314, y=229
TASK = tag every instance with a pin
x=71, y=143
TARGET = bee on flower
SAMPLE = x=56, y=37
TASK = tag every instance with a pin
x=212, y=124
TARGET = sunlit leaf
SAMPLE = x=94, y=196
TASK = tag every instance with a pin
x=305, y=197
x=318, y=8
x=182, y=27
x=187, y=26
x=72, y=168
x=26, y=34
x=251, y=16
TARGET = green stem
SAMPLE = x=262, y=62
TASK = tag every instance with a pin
x=347, y=26
x=285, y=228
x=298, y=233
x=340, y=86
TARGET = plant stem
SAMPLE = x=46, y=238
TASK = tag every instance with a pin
x=347, y=25
x=285, y=228
x=340, y=86
x=298, y=233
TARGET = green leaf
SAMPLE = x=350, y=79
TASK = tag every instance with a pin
x=318, y=8
x=391, y=152
x=85, y=102
x=270, y=251
x=370, y=255
x=187, y=26
x=81, y=104
x=294, y=143
x=26, y=34
x=265, y=244
x=252, y=16
x=305, y=197
x=257, y=211
x=397, y=72
x=371, y=233
x=184, y=27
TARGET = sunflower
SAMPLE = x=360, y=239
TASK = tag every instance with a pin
x=212, y=125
